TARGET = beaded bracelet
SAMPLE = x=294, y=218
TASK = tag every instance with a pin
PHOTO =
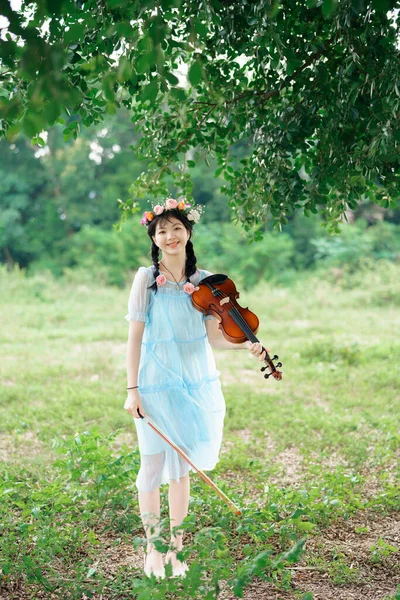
x=132, y=388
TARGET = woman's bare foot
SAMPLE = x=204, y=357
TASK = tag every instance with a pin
x=153, y=563
x=179, y=568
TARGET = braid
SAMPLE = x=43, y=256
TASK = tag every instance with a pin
x=154, y=256
x=190, y=260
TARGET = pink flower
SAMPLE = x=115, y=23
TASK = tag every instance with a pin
x=161, y=279
x=194, y=216
x=171, y=203
x=189, y=288
x=144, y=221
x=158, y=209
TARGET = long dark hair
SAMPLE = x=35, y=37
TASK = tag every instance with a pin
x=190, y=267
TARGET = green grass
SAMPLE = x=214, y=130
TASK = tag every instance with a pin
x=299, y=455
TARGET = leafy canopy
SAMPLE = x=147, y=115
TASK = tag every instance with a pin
x=310, y=89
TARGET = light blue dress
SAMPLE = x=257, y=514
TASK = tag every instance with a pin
x=178, y=381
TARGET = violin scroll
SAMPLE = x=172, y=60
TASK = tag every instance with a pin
x=269, y=363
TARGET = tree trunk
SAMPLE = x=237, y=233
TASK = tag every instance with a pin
x=9, y=259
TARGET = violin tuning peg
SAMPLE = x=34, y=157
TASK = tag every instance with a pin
x=267, y=375
x=263, y=369
x=279, y=364
x=275, y=357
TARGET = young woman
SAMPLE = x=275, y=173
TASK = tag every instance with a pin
x=171, y=373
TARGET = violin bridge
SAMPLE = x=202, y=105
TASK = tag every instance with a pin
x=224, y=301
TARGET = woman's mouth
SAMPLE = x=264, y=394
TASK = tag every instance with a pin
x=173, y=245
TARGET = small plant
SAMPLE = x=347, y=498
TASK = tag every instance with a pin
x=382, y=550
x=362, y=530
x=340, y=572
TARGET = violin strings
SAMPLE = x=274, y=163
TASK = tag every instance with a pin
x=239, y=320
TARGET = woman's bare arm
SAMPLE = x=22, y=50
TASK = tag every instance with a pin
x=218, y=340
x=135, y=336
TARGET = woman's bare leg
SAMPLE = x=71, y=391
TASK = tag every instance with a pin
x=149, y=504
x=178, y=497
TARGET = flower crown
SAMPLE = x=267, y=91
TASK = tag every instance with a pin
x=193, y=213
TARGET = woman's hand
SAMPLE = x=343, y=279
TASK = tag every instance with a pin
x=256, y=350
x=133, y=404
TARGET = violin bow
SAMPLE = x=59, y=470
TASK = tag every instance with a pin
x=234, y=508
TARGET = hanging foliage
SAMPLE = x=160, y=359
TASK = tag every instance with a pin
x=311, y=88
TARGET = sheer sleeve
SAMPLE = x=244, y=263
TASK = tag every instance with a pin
x=139, y=296
x=204, y=274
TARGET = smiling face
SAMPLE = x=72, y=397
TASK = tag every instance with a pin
x=171, y=236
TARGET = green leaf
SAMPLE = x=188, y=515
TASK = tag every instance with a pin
x=124, y=71
x=382, y=5
x=201, y=29
x=33, y=123
x=171, y=78
x=328, y=8
x=145, y=44
x=156, y=30
x=292, y=65
x=111, y=108
x=150, y=91
x=52, y=111
x=274, y=9
x=167, y=4
x=195, y=74
x=118, y=3
x=178, y=94
x=108, y=86
x=39, y=141
x=144, y=62
x=75, y=33
x=305, y=526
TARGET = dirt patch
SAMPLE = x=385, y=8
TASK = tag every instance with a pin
x=257, y=591
x=291, y=467
x=125, y=438
x=20, y=445
x=355, y=549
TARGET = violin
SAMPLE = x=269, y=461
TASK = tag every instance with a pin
x=217, y=295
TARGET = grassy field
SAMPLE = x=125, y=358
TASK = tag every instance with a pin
x=311, y=459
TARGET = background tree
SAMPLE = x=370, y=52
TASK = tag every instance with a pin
x=311, y=88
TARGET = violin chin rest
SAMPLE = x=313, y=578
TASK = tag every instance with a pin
x=216, y=278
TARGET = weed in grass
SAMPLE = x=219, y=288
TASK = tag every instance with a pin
x=340, y=571
x=382, y=550
x=362, y=530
